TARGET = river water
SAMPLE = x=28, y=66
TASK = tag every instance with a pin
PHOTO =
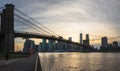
x=75, y=61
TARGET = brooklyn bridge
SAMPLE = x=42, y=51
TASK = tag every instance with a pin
x=9, y=15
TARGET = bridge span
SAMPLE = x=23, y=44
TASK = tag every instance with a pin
x=36, y=35
x=8, y=33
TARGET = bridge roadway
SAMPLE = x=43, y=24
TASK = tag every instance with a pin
x=36, y=35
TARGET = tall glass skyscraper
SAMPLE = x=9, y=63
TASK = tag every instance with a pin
x=87, y=39
x=81, y=39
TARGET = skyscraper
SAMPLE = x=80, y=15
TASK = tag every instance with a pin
x=28, y=44
x=87, y=36
x=70, y=38
x=81, y=40
x=104, y=42
x=115, y=44
x=87, y=39
x=44, y=45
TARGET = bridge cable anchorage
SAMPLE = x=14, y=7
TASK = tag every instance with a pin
x=37, y=22
x=29, y=26
x=32, y=24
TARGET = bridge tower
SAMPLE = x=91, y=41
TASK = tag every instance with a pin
x=7, y=27
x=2, y=41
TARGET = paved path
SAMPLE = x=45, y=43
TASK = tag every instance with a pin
x=6, y=62
x=23, y=64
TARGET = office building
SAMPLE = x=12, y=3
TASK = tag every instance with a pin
x=70, y=38
x=28, y=44
x=36, y=48
x=40, y=47
x=81, y=39
x=87, y=39
x=32, y=45
x=44, y=45
x=84, y=42
x=51, y=45
x=115, y=44
x=104, y=42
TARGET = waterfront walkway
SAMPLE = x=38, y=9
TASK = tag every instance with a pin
x=22, y=64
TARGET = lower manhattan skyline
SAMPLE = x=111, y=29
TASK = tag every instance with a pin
x=69, y=18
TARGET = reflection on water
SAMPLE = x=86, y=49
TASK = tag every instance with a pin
x=80, y=61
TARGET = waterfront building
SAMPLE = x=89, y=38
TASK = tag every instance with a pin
x=55, y=45
x=70, y=38
x=28, y=44
x=32, y=45
x=115, y=44
x=51, y=45
x=36, y=48
x=81, y=39
x=86, y=41
x=44, y=45
x=66, y=46
x=60, y=44
x=104, y=41
x=40, y=47
x=109, y=45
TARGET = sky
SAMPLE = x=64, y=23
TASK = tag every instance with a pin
x=69, y=18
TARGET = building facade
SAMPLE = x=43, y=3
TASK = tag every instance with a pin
x=115, y=44
x=104, y=41
x=28, y=44
x=81, y=39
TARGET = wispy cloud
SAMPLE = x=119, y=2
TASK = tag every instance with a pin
x=90, y=16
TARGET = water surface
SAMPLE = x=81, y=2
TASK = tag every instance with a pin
x=75, y=61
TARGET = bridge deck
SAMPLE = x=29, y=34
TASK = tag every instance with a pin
x=32, y=35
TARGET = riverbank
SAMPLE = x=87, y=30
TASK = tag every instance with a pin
x=83, y=52
x=13, y=56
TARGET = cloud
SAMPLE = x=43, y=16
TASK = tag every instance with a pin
x=91, y=16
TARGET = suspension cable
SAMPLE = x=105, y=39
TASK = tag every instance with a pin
x=32, y=23
x=36, y=21
x=28, y=25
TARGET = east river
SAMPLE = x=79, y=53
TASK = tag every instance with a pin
x=76, y=61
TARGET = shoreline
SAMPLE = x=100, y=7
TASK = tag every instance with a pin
x=82, y=52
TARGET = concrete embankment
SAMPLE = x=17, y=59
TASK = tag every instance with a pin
x=31, y=63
